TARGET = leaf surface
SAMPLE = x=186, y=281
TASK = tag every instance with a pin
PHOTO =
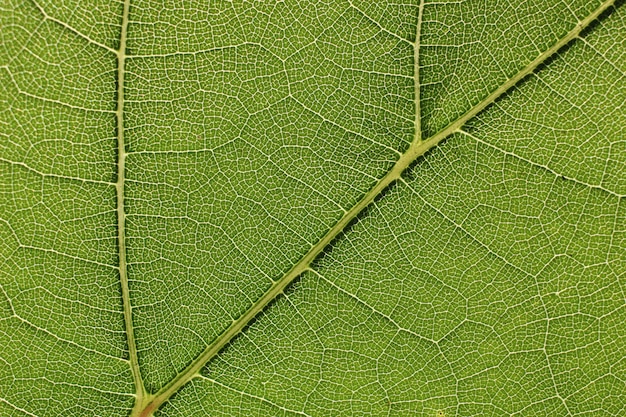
x=312, y=208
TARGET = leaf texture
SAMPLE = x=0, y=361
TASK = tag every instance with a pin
x=312, y=208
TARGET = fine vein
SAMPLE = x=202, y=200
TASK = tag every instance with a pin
x=121, y=217
x=417, y=148
x=416, y=75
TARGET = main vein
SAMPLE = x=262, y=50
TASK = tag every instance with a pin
x=121, y=216
x=417, y=148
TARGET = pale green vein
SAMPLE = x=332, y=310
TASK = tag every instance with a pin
x=416, y=75
x=71, y=29
x=377, y=312
x=452, y=127
x=51, y=175
x=417, y=148
x=544, y=167
x=49, y=100
x=140, y=391
x=59, y=338
x=256, y=397
x=62, y=254
x=16, y=408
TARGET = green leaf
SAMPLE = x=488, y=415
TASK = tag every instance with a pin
x=312, y=208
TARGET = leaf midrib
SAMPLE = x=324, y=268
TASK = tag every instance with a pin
x=140, y=391
x=147, y=403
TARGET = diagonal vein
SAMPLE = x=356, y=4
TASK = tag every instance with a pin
x=70, y=28
x=544, y=167
x=417, y=148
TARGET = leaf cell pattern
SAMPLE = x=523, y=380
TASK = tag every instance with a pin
x=318, y=208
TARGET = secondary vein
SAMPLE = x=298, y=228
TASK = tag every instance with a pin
x=416, y=76
x=417, y=148
x=140, y=392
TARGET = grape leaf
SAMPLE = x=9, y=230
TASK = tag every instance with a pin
x=312, y=208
